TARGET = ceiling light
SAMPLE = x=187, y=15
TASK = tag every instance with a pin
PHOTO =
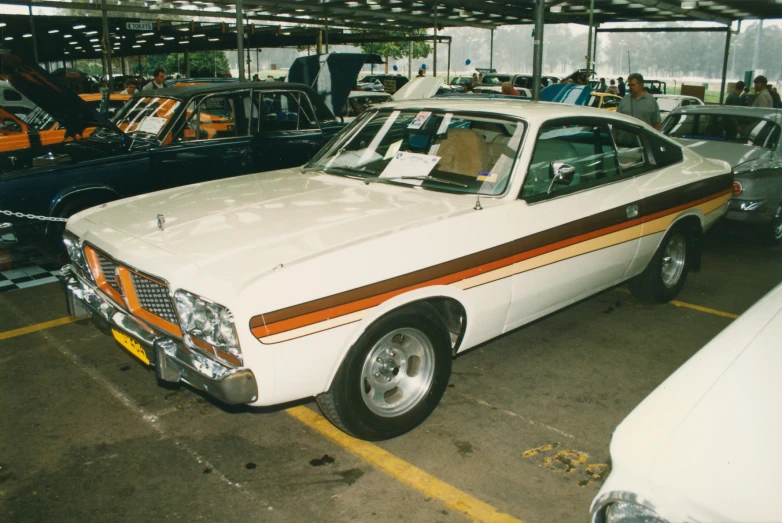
x=67, y=36
x=214, y=39
x=90, y=32
x=53, y=31
x=136, y=46
x=73, y=42
x=183, y=29
x=2, y=24
x=168, y=38
x=141, y=41
x=159, y=44
x=199, y=36
x=556, y=8
x=689, y=5
x=9, y=38
x=184, y=42
x=27, y=35
x=80, y=26
x=147, y=34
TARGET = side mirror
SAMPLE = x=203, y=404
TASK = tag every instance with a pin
x=560, y=174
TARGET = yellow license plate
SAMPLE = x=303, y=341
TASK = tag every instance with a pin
x=131, y=345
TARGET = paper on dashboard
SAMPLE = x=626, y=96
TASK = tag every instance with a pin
x=410, y=164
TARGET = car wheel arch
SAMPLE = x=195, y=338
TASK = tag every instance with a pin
x=99, y=194
x=692, y=223
x=445, y=303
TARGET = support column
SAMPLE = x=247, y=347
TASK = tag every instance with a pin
x=187, y=63
x=410, y=60
x=32, y=32
x=725, y=65
x=326, y=17
x=448, y=73
x=591, y=27
x=239, y=40
x=758, y=43
x=491, y=50
x=537, y=60
x=107, y=47
x=434, y=70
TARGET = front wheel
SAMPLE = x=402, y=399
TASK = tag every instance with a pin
x=392, y=378
x=774, y=234
x=664, y=277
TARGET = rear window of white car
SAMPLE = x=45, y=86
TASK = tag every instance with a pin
x=431, y=149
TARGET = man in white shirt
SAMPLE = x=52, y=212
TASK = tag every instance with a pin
x=763, y=97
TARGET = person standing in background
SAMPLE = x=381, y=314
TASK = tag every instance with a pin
x=734, y=97
x=612, y=88
x=638, y=103
x=621, y=87
x=763, y=97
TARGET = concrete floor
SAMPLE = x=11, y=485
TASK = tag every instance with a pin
x=525, y=425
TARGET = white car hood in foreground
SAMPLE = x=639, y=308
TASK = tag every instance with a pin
x=419, y=88
x=241, y=227
x=733, y=153
x=702, y=446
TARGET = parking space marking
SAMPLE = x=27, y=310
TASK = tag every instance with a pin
x=515, y=415
x=450, y=496
x=38, y=327
x=692, y=306
x=703, y=309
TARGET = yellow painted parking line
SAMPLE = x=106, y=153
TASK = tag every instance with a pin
x=692, y=306
x=704, y=309
x=38, y=327
x=468, y=506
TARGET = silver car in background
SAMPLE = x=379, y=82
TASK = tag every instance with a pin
x=749, y=139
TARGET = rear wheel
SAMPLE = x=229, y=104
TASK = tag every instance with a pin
x=664, y=277
x=392, y=378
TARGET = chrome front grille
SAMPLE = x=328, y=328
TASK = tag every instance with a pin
x=153, y=297
x=108, y=268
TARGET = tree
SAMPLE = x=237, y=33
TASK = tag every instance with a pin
x=202, y=63
x=401, y=49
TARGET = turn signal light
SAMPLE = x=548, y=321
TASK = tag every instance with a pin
x=737, y=188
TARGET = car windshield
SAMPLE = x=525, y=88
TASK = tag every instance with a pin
x=146, y=116
x=745, y=130
x=433, y=149
x=667, y=104
x=495, y=80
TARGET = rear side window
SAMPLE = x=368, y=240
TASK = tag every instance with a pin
x=663, y=152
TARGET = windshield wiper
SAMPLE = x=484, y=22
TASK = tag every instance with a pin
x=424, y=178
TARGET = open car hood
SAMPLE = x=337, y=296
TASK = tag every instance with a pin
x=419, y=88
x=61, y=103
x=332, y=75
x=574, y=94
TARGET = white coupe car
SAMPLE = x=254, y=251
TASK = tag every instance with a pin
x=425, y=228
x=698, y=447
x=669, y=102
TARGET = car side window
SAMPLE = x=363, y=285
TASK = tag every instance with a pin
x=212, y=118
x=282, y=111
x=632, y=156
x=586, y=150
x=609, y=103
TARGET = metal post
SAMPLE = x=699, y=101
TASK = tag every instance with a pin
x=326, y=35
x=32, y=32
x=107, y=47
x=594, y=47
x=491, y=50
x=319, y=45
x=434, y=71
x=725, y=64
x=258, y=61
x=249, y=63
x=410, y=60
x=537, y=52
x=239, y=40
x=187, y=63
x=758, y=43
x=448, y=75
x=591, y=25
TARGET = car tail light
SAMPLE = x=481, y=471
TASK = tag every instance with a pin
x=737, y=188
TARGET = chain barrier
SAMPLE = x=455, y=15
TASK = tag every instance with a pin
x=33, y=216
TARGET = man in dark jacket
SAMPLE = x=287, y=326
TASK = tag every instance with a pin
x=734, y=97
x=621, y=86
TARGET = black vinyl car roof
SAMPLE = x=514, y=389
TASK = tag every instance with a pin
x=187, y=92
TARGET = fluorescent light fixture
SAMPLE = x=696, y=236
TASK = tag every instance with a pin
x=27, y=35
x=73, y=42
x=9, y=38
x=79, y=26
x=184, y=42
x=141, y=41
x=136, y=46
x=147, y=34
x=158, y=44
x=214, y=39
x=67, y=36
x=689, y=5
x=94, y=40
x=90, y=32
x=183, y=29
x=2, y=24
x=199, y=36
x=53, y=31
x=168, y=38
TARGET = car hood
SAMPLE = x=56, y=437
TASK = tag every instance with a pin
x=734, y=153
x=332, y=75
x=241, y=227
x=703, y=438
x=419, y=88
x=61, y=103
x=573, y=94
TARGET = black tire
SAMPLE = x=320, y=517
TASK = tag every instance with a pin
x=774, y=231
x=667, y=271
x=408, y=354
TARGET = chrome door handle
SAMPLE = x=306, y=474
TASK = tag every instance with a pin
x=632, y=211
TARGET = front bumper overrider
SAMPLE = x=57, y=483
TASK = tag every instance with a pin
x=171, y=359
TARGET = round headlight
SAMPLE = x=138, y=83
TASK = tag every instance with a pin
x=626, y=512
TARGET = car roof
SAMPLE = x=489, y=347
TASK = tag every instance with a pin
x=533, y=112
x=733, y=110
x=187, y=91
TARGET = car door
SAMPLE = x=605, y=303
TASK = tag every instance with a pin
x=210, y=141
x=286, y=132
x=579, y=204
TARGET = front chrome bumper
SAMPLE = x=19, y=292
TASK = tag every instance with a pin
x=171, y=359
x=749, y=211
